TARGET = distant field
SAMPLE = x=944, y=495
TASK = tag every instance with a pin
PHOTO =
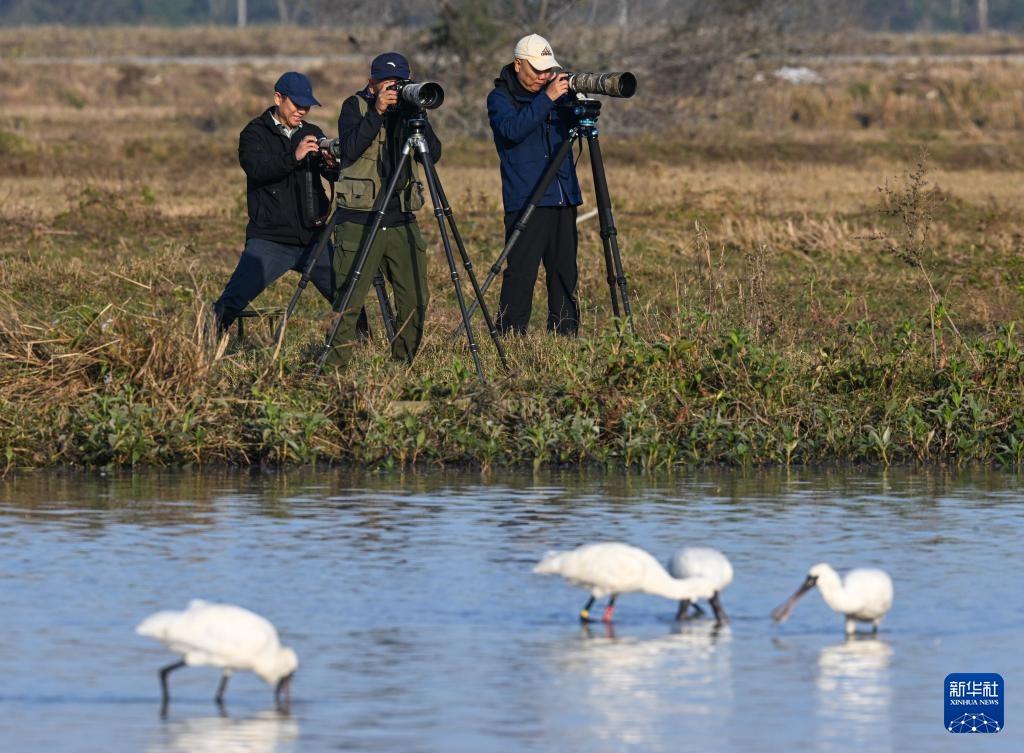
x=783, y=212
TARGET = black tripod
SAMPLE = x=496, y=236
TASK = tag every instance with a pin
x=386, y=312
x=442, y=211
x=584, y=114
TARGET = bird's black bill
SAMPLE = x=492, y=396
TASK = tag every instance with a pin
x=781, y=612
x=283, y=692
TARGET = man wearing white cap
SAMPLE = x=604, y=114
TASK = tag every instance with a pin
x=528, y=130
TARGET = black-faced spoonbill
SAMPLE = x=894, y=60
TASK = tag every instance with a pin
x=702, y=562
x=865, y=595
x=225, y=636
x=610, y=569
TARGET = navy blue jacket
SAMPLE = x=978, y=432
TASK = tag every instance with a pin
x=528, y=130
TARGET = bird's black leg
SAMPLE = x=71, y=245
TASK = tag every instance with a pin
x=720, y=616
x=585, y=612
x=219, y=698
x=165, y=696
x=684, y=606
x=698, y=610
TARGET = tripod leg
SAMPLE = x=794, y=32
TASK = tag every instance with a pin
x=433, y=185
x=524, y=217
x=609, y=235
x=386, y=312
x=468, y=266
x=363, y=326
x=341, y=305
x=307, y=273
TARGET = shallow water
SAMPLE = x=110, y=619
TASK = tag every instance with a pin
x=420, y=628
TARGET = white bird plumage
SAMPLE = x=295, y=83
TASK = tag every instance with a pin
x=702, y=562
x=864, y=595
x=224, y=636
x=611, y=568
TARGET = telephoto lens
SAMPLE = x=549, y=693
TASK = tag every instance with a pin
x=425, y=96
x=610, y=84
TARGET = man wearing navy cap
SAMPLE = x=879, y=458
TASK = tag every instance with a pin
x=372, y=133
x=278, y=152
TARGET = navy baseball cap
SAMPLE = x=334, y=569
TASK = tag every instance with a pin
x=389, y=65
x=297, y=87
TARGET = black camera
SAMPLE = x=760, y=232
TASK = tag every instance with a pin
x=423, y=96
x=330, y=145
x=610, y=84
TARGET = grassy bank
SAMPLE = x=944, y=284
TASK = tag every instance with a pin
x=806, y=289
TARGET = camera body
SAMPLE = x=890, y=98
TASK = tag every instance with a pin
x=426, y=95
x=333, y=146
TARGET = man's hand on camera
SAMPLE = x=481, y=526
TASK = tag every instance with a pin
x=559, y=85
x=328, y=157
x=385, y=99
x=308, y=145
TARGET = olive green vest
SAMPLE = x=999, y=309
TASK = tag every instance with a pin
x=361, y=182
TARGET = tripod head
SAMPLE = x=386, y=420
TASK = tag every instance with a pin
x=582, y=113
x=414, y=127
x=416, y=122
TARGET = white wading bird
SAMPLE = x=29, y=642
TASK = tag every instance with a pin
x=610, y=569
x=865, y=595
x=225, y=636
x=702, y=562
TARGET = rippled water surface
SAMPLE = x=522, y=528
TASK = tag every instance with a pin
x=420, y=628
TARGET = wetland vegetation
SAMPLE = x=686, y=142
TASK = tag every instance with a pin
x=820, y=272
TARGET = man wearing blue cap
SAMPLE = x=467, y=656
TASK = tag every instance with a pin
x=372, y=134
x=287, y=203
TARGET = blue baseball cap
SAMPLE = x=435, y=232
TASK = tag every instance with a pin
x=389, y=65
x=297, y=87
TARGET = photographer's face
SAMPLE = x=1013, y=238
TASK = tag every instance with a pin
x=531, y=79
x=288, y=112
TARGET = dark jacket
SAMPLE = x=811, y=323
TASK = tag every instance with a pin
x=358, y=133
x=275, y=182
x=528, y=130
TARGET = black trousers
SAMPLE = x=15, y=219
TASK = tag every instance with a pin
x=550, y=237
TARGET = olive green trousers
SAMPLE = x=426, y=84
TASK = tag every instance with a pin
x=401, y=254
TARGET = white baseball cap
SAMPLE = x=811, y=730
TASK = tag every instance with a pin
x=535, y=50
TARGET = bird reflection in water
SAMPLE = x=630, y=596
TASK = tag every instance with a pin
x=855, y=689
x=712, y=633
x=265, y=732
x=638, y=691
